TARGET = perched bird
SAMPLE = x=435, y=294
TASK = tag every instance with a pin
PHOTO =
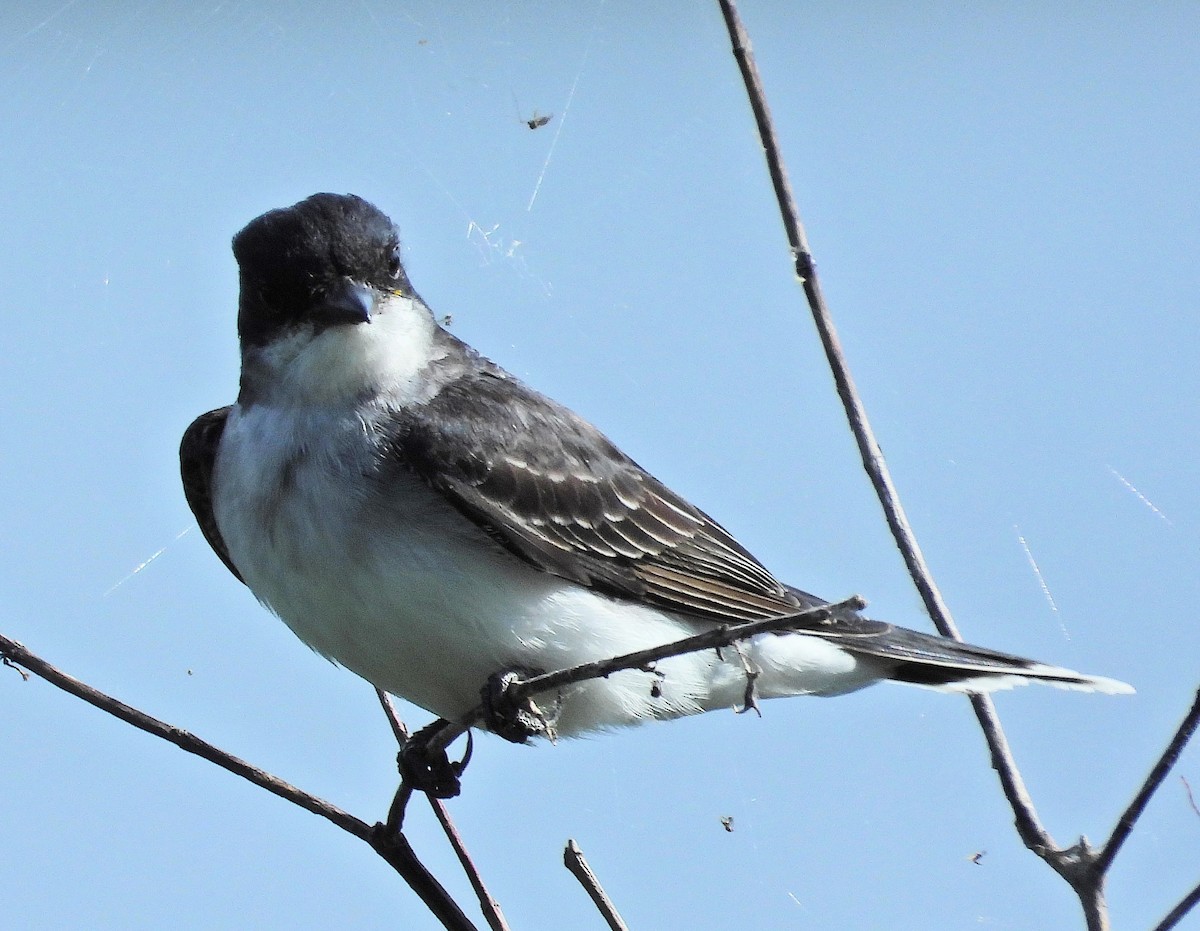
x=418, y=515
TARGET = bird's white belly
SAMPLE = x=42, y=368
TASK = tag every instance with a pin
x=406, y=592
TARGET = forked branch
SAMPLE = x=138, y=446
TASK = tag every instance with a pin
x=1083, y=867
x=393, y=847
x=386, y=838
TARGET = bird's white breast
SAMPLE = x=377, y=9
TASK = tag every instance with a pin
x=395, y=585
x=374, y=570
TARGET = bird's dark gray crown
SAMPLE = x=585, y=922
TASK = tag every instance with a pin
x=289, y=258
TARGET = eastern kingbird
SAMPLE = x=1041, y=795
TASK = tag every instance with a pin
x=418, y=515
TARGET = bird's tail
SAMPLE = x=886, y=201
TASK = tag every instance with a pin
x=948, y=665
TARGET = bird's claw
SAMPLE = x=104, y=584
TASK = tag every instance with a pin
x=428, y=769
x=514, y=719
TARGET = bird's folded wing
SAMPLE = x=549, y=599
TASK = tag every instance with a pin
x=197, y=453
x=553, y=490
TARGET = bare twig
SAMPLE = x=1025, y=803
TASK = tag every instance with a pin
x=574, y=861
x=856, y=413
x=399, y=730
x=722, y=635
x=1187, y=727
x=9, y=664
x=1025, y=817
x=1083, y=867
x=1187, y=787
x=18, y=654
x=487, y=903
x=394, y=849
x=387, y=839
x=1029, y=826
x=1186, y=904
x=1080, y=865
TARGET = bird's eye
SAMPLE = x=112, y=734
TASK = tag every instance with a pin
x=393, y=262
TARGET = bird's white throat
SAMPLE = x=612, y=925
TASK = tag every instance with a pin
x=341, y=364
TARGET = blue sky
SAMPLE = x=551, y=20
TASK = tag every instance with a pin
x=1002, y=201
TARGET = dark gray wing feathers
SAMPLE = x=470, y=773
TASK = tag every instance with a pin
x=552, y=489
x=197, y=453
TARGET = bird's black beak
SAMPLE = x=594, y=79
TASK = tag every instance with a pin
x=346, y=301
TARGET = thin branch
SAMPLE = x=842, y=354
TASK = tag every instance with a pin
x=574, y=861
x=856, y=413
x=487, y=903
x=722, y=635
x=399, y=730
x=18, y=654
x=395, y=850
x=1186, y=904
x=1028, y=823
x=1029, y=826
x=1158, y=773
x=1083, y=867
x=1187, y=787
x=9, y=664
x=386, y=839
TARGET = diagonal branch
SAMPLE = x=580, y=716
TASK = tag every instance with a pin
x=395, y=849
x=1175, y=915
x=1083, y=867
x=19, y=655
x=1170, y=756
x=1028, y=823
x=577, y=864
x=722, y=635
x=856, y=413
x=386, y=839
x=487, y=903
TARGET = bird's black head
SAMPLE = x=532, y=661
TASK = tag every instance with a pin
x=323, y=261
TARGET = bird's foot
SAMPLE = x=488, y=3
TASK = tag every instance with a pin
x=425, y=767
x=511, y=717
